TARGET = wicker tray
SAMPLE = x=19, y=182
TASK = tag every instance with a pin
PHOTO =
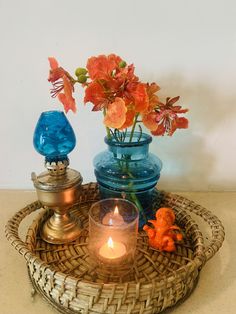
x=63, y=275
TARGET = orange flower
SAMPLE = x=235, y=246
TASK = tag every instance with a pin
x=149, y=120
x=114, y=87
x=160, y=130
x=116, y=114
x=95, y=94
x=164, y=119
x=55, y=72
x=61, y=80
x=139, y=94
x=101, y=67
x=66, y=98
x=168, y=122
x=153, y=98
x=126, y=74
x=129, y=119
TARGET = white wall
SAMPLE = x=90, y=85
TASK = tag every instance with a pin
x=188, y=47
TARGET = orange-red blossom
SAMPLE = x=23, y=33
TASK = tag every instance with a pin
x=116, y=114
x=63, y=85
x=110, y=80
x=165, y=119
x=165, y=233
x=114, y=88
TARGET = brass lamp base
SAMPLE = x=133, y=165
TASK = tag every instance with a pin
x=61, y=229
x=58, y=189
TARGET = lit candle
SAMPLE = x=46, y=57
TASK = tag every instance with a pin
x=112, y=250
x=113, y=218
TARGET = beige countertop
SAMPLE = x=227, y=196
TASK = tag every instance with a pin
x=215, y=292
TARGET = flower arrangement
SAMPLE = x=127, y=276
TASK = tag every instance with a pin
x=111, y=85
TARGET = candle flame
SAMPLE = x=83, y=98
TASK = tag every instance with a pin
x=116, y=211
x=110, y=243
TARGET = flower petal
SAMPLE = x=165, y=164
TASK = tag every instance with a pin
x=160, y=130
x=66, y=98
x=182, y=123
x=56, y=74
x=116, y=114
x=95, y=94
x=130, y=114
x=139, y=93
x=68, y=103
x=150, y=121
x=101, y=67
x=178, y=123
x=153, y=98
x=171, y=101
x=53, y=63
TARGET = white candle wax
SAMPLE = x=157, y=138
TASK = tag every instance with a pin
x=112, y=249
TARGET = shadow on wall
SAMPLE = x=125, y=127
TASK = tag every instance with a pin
x=189, y=162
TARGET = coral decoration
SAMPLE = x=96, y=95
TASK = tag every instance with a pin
x=165, y=233
x=111, y=85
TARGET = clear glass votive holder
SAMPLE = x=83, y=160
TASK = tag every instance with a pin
x=113, y=229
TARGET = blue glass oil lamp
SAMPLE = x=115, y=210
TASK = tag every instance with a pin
x=58, y=187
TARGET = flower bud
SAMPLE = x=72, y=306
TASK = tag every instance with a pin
x=82, y=78
x=122, y=64
x=80, y=71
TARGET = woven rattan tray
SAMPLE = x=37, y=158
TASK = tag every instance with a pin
x=63, y=275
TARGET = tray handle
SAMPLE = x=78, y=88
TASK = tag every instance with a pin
x=217, y=229
x=12, y=229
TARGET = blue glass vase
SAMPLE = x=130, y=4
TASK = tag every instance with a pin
x=128, y=170
x=54, y=137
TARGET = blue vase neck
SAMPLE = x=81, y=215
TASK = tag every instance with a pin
x=137, y=149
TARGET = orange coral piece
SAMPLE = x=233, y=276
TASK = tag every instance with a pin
x=163, y=235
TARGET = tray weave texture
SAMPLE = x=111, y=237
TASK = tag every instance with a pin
x=64, y=276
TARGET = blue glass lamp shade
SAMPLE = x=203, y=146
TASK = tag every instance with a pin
x=54, y=137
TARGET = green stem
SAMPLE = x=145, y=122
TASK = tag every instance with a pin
x=136, y=201
x=138, y=204
x=124, y=166
x=108, y=133
x=107, y=129
x=133, y=128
